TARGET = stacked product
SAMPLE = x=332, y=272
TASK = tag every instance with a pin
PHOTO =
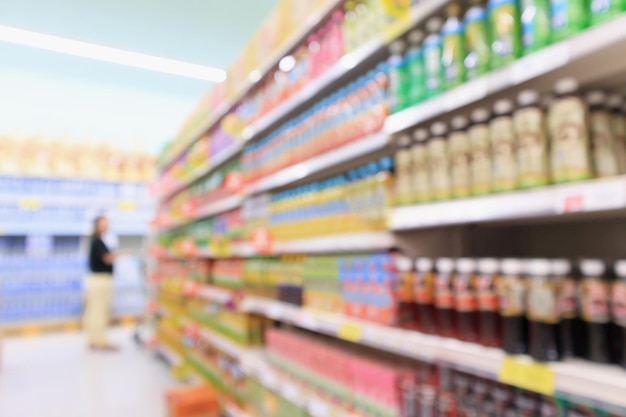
x=227, y=273
x=279, y=278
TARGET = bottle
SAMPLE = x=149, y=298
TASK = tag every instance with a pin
x=444, y=298
x=465, y=300
x=618, y=309
x=481, y=157
x=397, y=77
x=604, y=10
x=542, y=312
x=536, y=30
x=567, y=305
x=532, y=141
x=505, y=32
x=512, y=302
x=423, y=293
x=432, y=58
x=568, y=131
x=594, y=303
x=477, y=43
x=568, y=17
x=403, y=189
x=489, y=320
x=415, y=65
x=458, y=142
x=615, y=102
x=453, y=48
x=421, y=174
x=439, y=162
x=602, y=141
x=503, y=145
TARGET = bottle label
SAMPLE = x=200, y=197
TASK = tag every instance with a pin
x=424, y=287
x=403, y=177
x=464, y=293
x=602, y=144
x=444, y=298
x=417, y=76
x=480, y=159
x=568, y=298
x=477, y=59
x=618, y=303
x=460, y=160
x=439, y=168
x=618, y=127
x=505, y=33
x=503, y=145
x=432, y=65
x=452, y=56
x=511, y=291
x=559, y=14
x=487, y=293
x=595, y=300
x=532, y=147
x=421, y=177
x=542, y=302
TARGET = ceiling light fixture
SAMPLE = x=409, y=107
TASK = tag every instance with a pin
x=108, y=54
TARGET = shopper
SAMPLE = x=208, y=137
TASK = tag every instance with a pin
x=98, y=288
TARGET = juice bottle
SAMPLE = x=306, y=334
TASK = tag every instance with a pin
x=568, y=131
x=542, y=312
x=568, y=17
x=536, y=30
x=504, y=146
x=465, y=300
x=481, y=157
x=444, y=297
x=403, y=189
x=439, y=162
x=604, y=10
x=567, y=304
x=460, y=155
x=398, y=81
x=489, y=320
x=618, y=309
x=424, y=287
x=432, y=58
x=477, y=43
x=594, y=302
x=615, y=102
x=512, y=302
x=505, y=32
x=416, y=70
x=532, y=140
x=421, y=174
x=602, y=141
x=453, y=48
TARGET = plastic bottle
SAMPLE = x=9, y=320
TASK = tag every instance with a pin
x=444, y=297
x=453, y=48
x=432, y=58
x=602, y=141
x=398, y=83
x=618, y=309
x=615, y=102
x=459, y=144
x=543, y=314
x=477, y=43
x=505, y=32
x=604, y=10
x=536, y=29
x=439, y=162
x=568, y=17
x=512, y=302
x=480, y=145
x=567, y=303
x=421, y=174
x=594, y=303
x=423, y=294
x=403, y=163
x=532, y=141
x=489, y=320
x=465, y=300
x=504, y=146
x=568, y=130
x=416, y=70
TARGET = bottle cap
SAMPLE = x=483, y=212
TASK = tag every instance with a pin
x=433, y=25
x=416, y=37
x=488, y=265
x=592, y=267
x=615, y=101
x=538, y=267
x=438, y=129
x=547, y=100
x=561, y=267
x=420, y=135
x=424, y=264
x=528, y=98
x=502, y=107
x=459, y=123
x=567, y=85
x=397, y=47
x=596, y=97
x=480, y=115
x=403, y=140
x=512, y=266
x=620, y=268
x=465, y=265
x=445, y=265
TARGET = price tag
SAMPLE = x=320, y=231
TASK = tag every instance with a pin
x=529, y=375
x=608, y=195
x=540, y=63
x=351, y=332
x=127, y=205
x=29, y=203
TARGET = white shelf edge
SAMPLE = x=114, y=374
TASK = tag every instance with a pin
x=173, y=358
x=216, y=294
x=222, y=343
x=220, y=206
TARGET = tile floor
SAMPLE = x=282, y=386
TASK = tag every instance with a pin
x=55, y=376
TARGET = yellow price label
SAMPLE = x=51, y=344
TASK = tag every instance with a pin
x=29, y=203
x=127, y=205
x=530, y=375
x=351, y=332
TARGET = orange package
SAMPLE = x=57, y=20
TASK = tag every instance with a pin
x=192, y=401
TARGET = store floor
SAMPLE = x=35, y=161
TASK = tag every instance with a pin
x=55, y=376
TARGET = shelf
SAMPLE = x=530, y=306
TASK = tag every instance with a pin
x=583, y=198
x=592, y=55
x=53, y=228
x=208, y=210
x=216, y=294
x=223, y=344
x=172, y=358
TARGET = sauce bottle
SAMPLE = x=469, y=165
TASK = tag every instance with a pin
x=478, y=133
x=568, y=17
x=542, y=311
x=432, y=58
x=403, y=164
x=444, y=297
x=476, y=40
x=503, y=145
x=618, y=310
x=439, y=162
x=535, y=24
x=459, y=144
x=424, y=287
x=453, y=48
x=422, y=190
x=594, y=303
x=512, y=302
x=415, y=65
x=465, y=300
x=489, y=320
x=615, y=102
x=532, y=141
x=569, y=133
x=505, y=32
x=567, y=305
x=397, y=77
x=602, y=141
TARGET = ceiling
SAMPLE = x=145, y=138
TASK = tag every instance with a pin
x=208, y=32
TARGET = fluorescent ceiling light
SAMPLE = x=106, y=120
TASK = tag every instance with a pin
x=107, y=54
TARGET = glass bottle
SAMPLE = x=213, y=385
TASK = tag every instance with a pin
x=512, y=303
x=542, y=311
x=594, y=302
x=465, y=300
x=444, y=298
x=489, y=320
x=424, y=295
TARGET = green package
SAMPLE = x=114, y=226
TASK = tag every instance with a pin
x=415, y=68
x=398, y=77
x=505, y=32
x=432, y=58
x=568, y=17
x=536, y=30
x=604, y=10
x=453, y=49
x=476, y=42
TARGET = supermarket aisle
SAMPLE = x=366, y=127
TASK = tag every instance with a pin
x=54, y=376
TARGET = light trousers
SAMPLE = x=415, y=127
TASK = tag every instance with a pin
x=96, y=316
